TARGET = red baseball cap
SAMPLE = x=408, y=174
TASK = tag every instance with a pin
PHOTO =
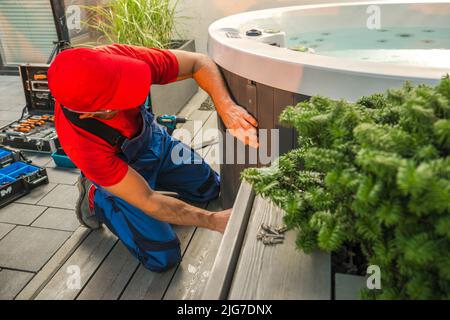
x=88, y=80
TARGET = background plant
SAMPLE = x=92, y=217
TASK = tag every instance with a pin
x=149, y=23
x=374, y=173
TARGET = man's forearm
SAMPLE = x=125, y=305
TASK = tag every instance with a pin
x=177, y=212
x=209, y=78
x=241, y=124
x=135, y=190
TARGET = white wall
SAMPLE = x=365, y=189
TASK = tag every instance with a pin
x=204, y=12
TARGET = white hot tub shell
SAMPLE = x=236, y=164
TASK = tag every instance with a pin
x=312, y=74
x=264, y=75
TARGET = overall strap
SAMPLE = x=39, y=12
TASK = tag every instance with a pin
x=95, y=127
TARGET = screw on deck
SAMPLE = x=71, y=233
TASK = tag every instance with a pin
x=270, y=235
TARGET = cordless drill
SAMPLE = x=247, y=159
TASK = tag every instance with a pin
x=170, y=122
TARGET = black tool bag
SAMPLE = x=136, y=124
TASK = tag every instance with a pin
x=18, y=176
x=35, y=130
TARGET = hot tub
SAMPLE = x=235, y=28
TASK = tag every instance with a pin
x=279, y=57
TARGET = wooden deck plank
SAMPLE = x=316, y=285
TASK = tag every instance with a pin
x=278, y=272
x=193, y=127
x=88, y=257
x=225, y=263
x=193, y=104
x=53, y=265
x=191, y=276
x=148, y=285
x=210, y=153
x=207, y=133
x=112, y=276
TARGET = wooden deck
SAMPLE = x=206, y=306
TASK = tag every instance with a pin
x=107, y=270
x=245, y=269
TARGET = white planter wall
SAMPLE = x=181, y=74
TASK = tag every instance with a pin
x=171, y=98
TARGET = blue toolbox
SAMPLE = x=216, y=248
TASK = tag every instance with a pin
x=8, y=156
x=18, y=178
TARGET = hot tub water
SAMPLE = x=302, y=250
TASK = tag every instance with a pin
x=427, y=47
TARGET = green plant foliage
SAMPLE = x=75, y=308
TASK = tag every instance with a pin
x=149, y=23
x=374, y=173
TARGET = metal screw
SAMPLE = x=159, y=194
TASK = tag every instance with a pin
x=270, y=235
x=268, y=229
x=281, y=229
x=272, y=241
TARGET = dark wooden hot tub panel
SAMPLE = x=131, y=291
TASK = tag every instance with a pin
x=265, y=104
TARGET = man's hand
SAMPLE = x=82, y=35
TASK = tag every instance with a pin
x=236, y=119
x=219, y=220
x=240, y=123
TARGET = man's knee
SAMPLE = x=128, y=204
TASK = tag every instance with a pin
x=210, y=189
x=161, y=261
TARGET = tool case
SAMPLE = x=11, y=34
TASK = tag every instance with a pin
x=8, y=156
x=38, y=136
x=35, y=130
x=18, y=179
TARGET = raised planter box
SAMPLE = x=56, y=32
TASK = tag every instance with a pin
x=170, y=98
x=245, y=269
x=347, y=286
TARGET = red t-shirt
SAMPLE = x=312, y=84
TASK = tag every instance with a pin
x=93, y=156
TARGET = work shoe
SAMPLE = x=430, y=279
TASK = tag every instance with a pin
x=85, y=215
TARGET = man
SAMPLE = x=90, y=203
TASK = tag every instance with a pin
x=124, y=155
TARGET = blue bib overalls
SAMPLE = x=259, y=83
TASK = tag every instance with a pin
x=154, y=242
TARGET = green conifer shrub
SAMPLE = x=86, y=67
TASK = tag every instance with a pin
x=375, y=173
